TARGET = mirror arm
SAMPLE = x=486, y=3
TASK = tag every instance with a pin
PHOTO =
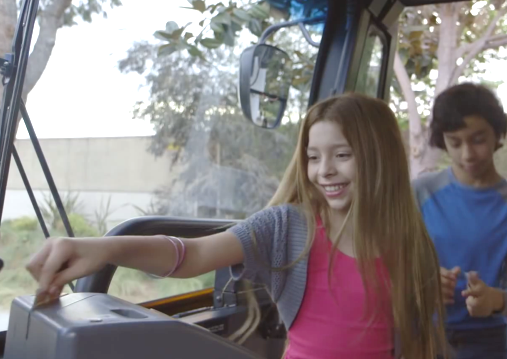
x=273, y=28
x=307, y=36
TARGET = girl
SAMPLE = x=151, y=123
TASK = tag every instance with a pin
x=341, y=247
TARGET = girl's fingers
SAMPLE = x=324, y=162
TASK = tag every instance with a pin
x=36, y=263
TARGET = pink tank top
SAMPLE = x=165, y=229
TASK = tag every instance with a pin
x=333, y=326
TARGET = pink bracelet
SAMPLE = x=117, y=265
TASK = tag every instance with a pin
x=179, y=256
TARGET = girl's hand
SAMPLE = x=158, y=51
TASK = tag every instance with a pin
x=62, y=260
x=448, y=279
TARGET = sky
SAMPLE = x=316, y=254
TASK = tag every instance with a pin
x=83, y=94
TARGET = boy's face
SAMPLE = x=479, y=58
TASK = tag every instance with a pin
x=471, y=148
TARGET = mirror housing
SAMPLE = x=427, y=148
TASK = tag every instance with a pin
x=264, y=83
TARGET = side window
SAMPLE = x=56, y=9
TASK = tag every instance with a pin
x=371, y=64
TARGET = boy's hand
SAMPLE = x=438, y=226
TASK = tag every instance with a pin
x=448, y=279
x=482, y=300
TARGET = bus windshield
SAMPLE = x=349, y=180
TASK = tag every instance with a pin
x=143, y=129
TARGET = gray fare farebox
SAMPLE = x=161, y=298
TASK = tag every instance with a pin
x=99, y=326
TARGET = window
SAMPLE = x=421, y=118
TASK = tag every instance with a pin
x=371, y=65
x=160, y=135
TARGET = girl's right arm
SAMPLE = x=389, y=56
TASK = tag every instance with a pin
x=62, y=260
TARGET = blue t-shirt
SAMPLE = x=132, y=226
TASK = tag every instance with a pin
x=469, y=228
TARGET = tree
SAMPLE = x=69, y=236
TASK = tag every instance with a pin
x=52, y=15
x=225, y=165
x=428, y=40
x=223, y=24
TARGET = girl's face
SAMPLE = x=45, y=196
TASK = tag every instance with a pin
x=331, y=165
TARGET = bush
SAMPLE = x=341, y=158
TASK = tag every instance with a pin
x=80, y=226
x=24, y=224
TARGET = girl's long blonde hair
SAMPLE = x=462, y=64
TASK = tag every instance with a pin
x=386, y=220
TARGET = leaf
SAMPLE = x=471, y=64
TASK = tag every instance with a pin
x=171, y=27
x=217, y=28
x=176, y=34
x=229, y=37
x=279, y=14
x=166, y=50
x=201, y=23
x=163, y=35
x=235, y=26
x=259, y=11
x=198, y=5
x=241, y=14
x=255, y=27
x=415, y=35
x=211, y=43
x=220, y=36
x=221, y=8
x=194, y=51
x=199, y=37
x=222, y=18
x=213, y=8
x=188, y=36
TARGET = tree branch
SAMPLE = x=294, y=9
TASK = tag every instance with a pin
x=495, y=42
x=50, y=20
x=8, y=17
x=8, y=20
x=473, y=49
x=448, y=38
x=408, y=94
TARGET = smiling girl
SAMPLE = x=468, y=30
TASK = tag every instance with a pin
x=341, y=247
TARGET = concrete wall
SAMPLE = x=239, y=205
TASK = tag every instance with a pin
x=93, y=164
x=98, y=169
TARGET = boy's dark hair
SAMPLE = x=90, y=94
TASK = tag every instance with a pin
x=457, y=102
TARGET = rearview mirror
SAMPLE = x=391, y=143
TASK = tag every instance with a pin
x=264, y=83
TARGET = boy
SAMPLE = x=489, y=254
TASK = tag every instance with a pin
x=465, y=211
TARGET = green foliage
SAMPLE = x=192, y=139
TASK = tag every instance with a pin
x=192, y=83
x=24, y=224
x=194, y=108
x=220, y=26
x=101, y=216
x=50, y=213
x=17, y=245
x=18, y=242
x=80, y=225
x=153, y=209
x=417, y=43
x=85, y=10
